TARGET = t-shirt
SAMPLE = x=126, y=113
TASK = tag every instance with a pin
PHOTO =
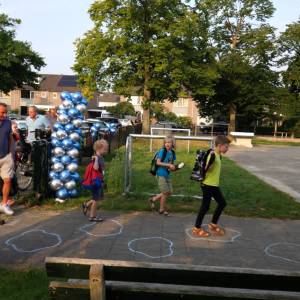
x=40, y=122
x=170, y=158
x=5, y=132
x=212, y=176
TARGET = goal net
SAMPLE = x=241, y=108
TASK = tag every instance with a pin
x=138, y=179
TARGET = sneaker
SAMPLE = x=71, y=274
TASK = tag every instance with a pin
x=96, y=219
x=6, y=209
x=200, y=232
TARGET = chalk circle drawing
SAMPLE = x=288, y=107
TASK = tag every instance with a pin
x=132, y=245
x=230, y=236
x=11, y=242
x=289, y=247
x=86, y=228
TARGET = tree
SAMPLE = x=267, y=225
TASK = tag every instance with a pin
x=17, y=59
x=122, y=109
x=245, y=49
x=157, y=48
x=289, y=50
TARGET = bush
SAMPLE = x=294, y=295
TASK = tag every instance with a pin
x=184, y=122
x=266, y=130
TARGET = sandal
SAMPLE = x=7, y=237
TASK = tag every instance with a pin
x=95, y=219
x=84, y=208
x=216, y=229
x=200, y=232
x=152, y=203
x=164, y=212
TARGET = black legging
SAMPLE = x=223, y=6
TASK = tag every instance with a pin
x=209, y=192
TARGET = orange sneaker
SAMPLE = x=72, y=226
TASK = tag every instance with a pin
x=200, y=232
x=216, y=229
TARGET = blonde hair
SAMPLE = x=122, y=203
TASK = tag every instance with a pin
x=99, y=144
x=169, y=138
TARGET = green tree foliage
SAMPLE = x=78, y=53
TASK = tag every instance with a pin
x=245, y=49
x=122, y=109
x=289, y=50
x=155, y=47
x=17, y=59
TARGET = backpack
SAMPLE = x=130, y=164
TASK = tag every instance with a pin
x=93, y=179
x=154, y=166
x=201, y=166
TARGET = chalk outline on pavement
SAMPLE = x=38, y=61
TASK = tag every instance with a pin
x=267, y=248
x=148, y=238
x=82, y=228
x=8, y=242
x=232, y=239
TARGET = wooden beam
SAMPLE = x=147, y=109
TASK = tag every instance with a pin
x=97, y=282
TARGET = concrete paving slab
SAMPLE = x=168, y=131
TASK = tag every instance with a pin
x=248, y=250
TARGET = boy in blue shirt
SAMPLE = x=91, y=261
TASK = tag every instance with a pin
x=165, y=165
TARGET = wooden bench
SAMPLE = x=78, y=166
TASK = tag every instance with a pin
x=282, y=134
x=96, y=279
x=242, y=138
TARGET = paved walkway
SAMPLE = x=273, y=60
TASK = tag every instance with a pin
x=32, y=235
x=279, y=166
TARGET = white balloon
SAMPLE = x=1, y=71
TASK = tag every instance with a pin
x=73, y=153
x=81, y=107
x=77, y=122
x=69, y=185
x=74, y=136
x=55, y=184
x=72, y=167
x=63, y=119
x=61, y=134
x=58, y=167
x=67, y=104
x=58, y=151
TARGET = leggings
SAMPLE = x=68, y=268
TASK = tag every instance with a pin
x=209, y=192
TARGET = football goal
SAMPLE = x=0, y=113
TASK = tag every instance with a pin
x=138, y=179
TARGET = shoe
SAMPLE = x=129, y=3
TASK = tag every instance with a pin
x=152, y=203
x=6, y=209
x=216, y=229
x=200, y=232
x=96, y=219
x=84, y=208
x=164, y=212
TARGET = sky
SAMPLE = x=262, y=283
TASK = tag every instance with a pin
x=52, y=26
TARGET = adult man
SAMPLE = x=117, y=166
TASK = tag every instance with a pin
x=6, y=159
x=35, y=121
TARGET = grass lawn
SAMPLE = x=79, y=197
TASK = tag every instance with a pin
x=24, y=285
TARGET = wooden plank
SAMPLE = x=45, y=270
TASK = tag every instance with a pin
x=177, y=274
x=97, y=282
x=59, y=290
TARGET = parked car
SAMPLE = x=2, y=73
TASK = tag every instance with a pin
x=125, y=122
x=88, y=123
x=165, y=124
x=216, y=128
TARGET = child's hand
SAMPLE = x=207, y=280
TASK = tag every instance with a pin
x=172, y=167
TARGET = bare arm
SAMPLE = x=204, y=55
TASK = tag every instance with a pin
x=96, y=163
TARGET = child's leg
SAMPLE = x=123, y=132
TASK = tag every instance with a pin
x=204, y=206
x=218, y=196
x=93, y=210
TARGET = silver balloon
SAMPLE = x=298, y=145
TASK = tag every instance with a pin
x=72, y=167
x=55, y=184
x=77, y=122
x=61, y=134
x=58, y=151
x=69, y=185
x=53, y=135
x=73, y=153
x=57, y=167
x=63, y=119
x=81, y=107
x=74, y=136
x=60, y=106
x=67, y=104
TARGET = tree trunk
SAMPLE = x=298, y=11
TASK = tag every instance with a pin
x=146, y=112
x=232, y=116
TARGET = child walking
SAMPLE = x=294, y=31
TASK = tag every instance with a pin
x=210, y=189
x=100, y=148
x=165, y=163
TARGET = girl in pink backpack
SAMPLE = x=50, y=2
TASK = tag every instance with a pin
x=93, y=179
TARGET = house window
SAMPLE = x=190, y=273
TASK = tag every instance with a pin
x=54, y=95
x=181, y=102
x=25, y=94
x=43, y=95
x=31, y=95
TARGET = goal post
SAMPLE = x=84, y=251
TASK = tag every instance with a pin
x=129, y=154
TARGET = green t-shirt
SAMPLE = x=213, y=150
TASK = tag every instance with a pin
x=212, y=176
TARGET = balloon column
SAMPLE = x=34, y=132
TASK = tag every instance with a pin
x=65, y=140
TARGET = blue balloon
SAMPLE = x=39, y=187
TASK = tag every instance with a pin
x=55, y=159
x=69, y=128
x=62, y=193
x=84, y=101
x=79, y=131
x=65, y=96
x=75, y=176
x=62, y=111
x=55, y=142
x=73, y=112
x=73, y=193
x=65, y=175
x=67, y=144
x=74, y=160
x=77, y=145
x=94, y=129
x=66, y=159
x=76, y=97
x=97, y=125
x=58, y=126
x=54, y=175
